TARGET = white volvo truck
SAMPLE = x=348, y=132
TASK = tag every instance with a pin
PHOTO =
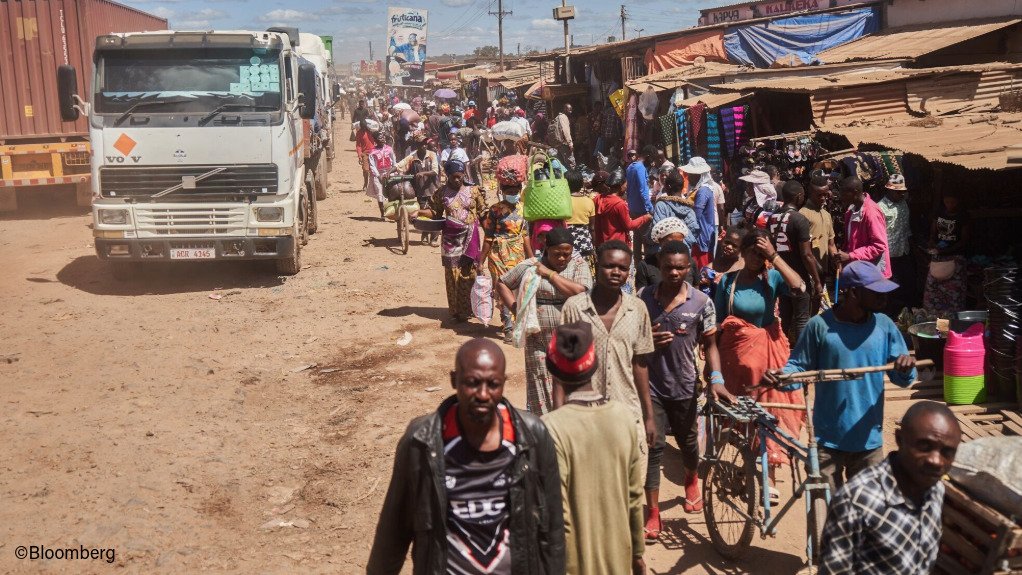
x=198, y=147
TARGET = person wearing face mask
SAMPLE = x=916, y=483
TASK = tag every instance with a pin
x=537, y=289
x=507, y=243
x=849, y=415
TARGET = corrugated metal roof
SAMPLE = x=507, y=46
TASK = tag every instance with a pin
x=712, y=100
x=971, y=141
x=912, y=41
x=675, y=77
x=860, y=103
x=784, y=80
x=965, y=92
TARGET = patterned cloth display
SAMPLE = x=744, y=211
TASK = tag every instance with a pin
x=713, y=156
x=684, y=143
x=669, y=136
x=695, y=122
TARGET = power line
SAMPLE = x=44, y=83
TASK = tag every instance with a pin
x=500, y=13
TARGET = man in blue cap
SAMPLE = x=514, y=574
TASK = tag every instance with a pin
x=849, y=415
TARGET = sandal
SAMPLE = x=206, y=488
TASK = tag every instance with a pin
x=653, y=526
x=694, y=506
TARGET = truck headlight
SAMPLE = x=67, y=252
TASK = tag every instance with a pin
x=113, y=217
x=269, y=214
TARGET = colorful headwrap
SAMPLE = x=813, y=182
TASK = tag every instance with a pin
x=453, y=167
x=543, y=227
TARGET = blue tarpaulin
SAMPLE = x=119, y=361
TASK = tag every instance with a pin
x=804, y=37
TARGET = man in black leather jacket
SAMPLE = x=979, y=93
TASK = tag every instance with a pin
x=475, y=487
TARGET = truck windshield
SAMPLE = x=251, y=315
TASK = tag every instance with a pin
x=188, y=80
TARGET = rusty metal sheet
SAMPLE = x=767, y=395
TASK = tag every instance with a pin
x=860, y=103
x=676, y=77
x=913, y=41
x=36, y=36
x=971, y=141
x=713, y=100
x=958, y=93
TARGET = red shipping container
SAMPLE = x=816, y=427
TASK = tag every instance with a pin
x=36, y=36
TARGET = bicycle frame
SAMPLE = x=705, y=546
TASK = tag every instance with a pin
x=765, y=424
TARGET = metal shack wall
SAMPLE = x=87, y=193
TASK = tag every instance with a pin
x=36, y=36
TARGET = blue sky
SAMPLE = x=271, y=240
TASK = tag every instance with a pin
x=455, y=26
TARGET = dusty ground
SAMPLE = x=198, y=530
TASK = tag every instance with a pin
x=177, y=429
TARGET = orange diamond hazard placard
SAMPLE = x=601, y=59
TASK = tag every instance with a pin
x=124, y=144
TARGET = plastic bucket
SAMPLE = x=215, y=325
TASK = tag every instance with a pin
x=963, y=320
x=964, y=390
x=965, y=353
x=928, y=343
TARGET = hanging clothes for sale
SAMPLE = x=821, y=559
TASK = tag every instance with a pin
x=684, y=143
x=696, y=129
x=739, y=113
x=632, y=123
x=668, y=136
x=713, y=156
x=727, y=122
x=648, y=103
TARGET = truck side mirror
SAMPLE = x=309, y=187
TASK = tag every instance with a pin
x=307, y=91
x=67, y=88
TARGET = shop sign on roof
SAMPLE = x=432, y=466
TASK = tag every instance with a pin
x=766, y=9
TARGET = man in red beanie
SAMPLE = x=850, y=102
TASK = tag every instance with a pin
x=599, y=460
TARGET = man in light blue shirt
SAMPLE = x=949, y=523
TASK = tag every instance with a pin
x=849, y=415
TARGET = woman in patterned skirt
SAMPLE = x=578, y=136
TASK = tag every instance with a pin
x=461, y=246
x=537, y=288
x=507, y=243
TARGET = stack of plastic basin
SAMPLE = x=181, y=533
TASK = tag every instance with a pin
x=964, y=363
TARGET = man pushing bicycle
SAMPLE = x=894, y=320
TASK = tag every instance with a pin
x=848, y=415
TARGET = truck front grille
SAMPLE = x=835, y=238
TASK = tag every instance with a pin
x=134, y=181
x=191, y=221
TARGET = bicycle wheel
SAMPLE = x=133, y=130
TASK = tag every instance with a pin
x=402, y=226
x=730, y=489
x=817, y=519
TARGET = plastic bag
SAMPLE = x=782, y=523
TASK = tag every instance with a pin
x=648, y=103
x=507, y=130
x=371, y=125
x=481, y=299
x=990, y=469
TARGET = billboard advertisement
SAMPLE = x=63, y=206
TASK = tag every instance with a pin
x=406, y=46
x=370, y=69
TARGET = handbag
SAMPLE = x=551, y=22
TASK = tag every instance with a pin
x=548, y=198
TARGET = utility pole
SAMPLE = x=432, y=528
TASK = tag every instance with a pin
x=519, y=50
x=500, y=13
x=567, y=49
x=370, y=50
x=624, y=16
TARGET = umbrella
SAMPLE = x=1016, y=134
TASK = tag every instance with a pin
x=445, y=93
x=402, y=106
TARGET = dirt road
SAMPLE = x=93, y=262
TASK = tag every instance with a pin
x=191, y=434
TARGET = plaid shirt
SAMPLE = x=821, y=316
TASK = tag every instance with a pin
x=872, y=529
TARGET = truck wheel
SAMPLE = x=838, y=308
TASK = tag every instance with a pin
x=125, y=271
x=312, y=223
x=291, y=265
x=320, y=181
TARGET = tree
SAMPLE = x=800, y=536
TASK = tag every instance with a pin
x=486, y=52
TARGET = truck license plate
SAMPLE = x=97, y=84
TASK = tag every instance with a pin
x=193, y=254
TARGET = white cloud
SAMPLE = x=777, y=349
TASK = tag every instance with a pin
x=457, y=3
x=285, y=16
x=546, y=24
x=162, y=12
x=193, y=25
x=208, y=13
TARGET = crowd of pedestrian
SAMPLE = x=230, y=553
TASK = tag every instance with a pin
x=648, y=301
